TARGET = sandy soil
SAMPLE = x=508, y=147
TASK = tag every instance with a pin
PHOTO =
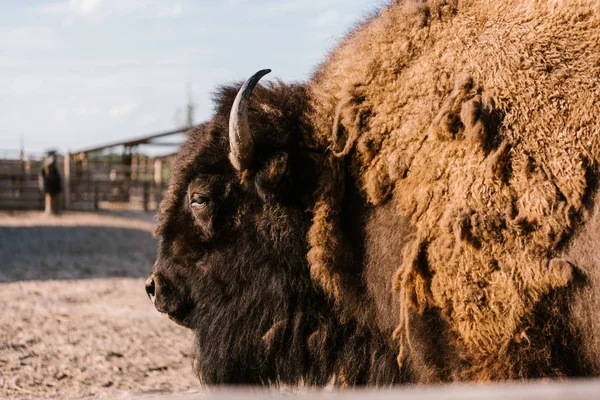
x=75, y=320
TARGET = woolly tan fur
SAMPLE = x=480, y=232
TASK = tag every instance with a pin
x=479, y=121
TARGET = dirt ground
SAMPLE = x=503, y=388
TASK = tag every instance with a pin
x=74, y=319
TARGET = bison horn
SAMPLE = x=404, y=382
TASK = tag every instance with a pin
x=240, y=139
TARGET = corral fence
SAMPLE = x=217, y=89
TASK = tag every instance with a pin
x=19, y=188
x=88, y=185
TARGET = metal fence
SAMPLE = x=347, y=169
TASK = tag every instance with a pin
x=19, y=188
x=89, y=186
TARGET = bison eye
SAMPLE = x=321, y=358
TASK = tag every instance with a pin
x=199, y=204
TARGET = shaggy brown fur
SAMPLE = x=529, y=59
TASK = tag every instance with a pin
x=235, y=269
x=421, y=206
x=478, y=120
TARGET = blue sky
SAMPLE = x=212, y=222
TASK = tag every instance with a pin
x=75, y=73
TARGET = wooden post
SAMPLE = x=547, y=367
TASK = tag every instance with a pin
x=135, y=165
x=124, y=195
x=22, y=160
x=67, y=181
x=158, y=182
x=158, y=173
x=146, y=194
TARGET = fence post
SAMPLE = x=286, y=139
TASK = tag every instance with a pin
x=67, y=183
x=158, y=172
x=146, y=194
x=95, y=186
x=158, y=182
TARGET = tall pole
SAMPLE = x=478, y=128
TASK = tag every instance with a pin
x=22, y=153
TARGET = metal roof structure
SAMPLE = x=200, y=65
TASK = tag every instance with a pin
x=147, y=140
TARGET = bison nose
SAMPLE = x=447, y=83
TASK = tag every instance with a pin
x=159, y=294
x=151, y=289
x=165, y=299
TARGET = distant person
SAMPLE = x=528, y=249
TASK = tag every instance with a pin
x=50, y=183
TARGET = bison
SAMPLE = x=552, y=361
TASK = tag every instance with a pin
x=423, y=209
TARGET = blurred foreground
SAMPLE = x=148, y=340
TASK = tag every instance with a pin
x=542, y=390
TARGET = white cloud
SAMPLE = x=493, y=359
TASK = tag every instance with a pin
x=123, y=110
x=52, y=8
x=85, y=7
x=278, y=8
x=283, y=7
x=113, y=8
x=173, y=10
x=28, y=37
x=101, y=87
x=147, y=119
x=327, y=17
x=74, y=112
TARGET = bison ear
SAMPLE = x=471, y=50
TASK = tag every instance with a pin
x=273, y=180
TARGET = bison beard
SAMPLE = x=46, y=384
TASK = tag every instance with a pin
x=444, y=230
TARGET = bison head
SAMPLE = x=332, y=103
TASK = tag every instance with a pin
x=232, y=240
